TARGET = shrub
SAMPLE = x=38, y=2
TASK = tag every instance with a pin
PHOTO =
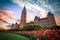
x=32, y=27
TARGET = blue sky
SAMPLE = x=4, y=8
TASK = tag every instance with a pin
x=33, y=8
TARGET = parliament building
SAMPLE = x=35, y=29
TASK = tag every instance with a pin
x=45, y=22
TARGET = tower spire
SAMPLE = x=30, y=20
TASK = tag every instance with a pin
x=23, y=17
x=24, y=9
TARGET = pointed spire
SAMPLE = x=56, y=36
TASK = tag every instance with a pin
x=23, y=17
x=24, y=8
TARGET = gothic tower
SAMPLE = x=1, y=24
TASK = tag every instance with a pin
x=23, y=17
x=51, y=19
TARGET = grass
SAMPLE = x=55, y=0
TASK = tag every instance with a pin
x=10, y=36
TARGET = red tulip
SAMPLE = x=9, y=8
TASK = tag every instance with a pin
x=48, y=36
x=39, y=38
x=52, y=38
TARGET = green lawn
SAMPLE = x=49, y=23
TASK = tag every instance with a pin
x=10, y=36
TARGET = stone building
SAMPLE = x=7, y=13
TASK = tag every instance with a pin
x=46, y=22
x=23, y=17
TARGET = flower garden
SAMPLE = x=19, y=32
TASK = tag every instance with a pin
x=36, y=32
x=51, y=34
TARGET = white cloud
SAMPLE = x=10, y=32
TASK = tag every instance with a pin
x=33, y=7
x=7, y=14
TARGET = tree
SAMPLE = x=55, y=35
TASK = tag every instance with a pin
x=32, y=27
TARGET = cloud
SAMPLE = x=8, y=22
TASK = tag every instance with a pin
x=7, y=14
x=3, y=26
x=2, y=16
x=30, y=17
x=29, y=5
x=39, y=7
x=10, y=14
x=4, y=21
x=35, y=8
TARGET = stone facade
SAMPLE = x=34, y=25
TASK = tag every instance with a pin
x=46, y=22
x=23, y=17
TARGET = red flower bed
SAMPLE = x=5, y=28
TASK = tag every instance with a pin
x=50, y=35
x=45, y=34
